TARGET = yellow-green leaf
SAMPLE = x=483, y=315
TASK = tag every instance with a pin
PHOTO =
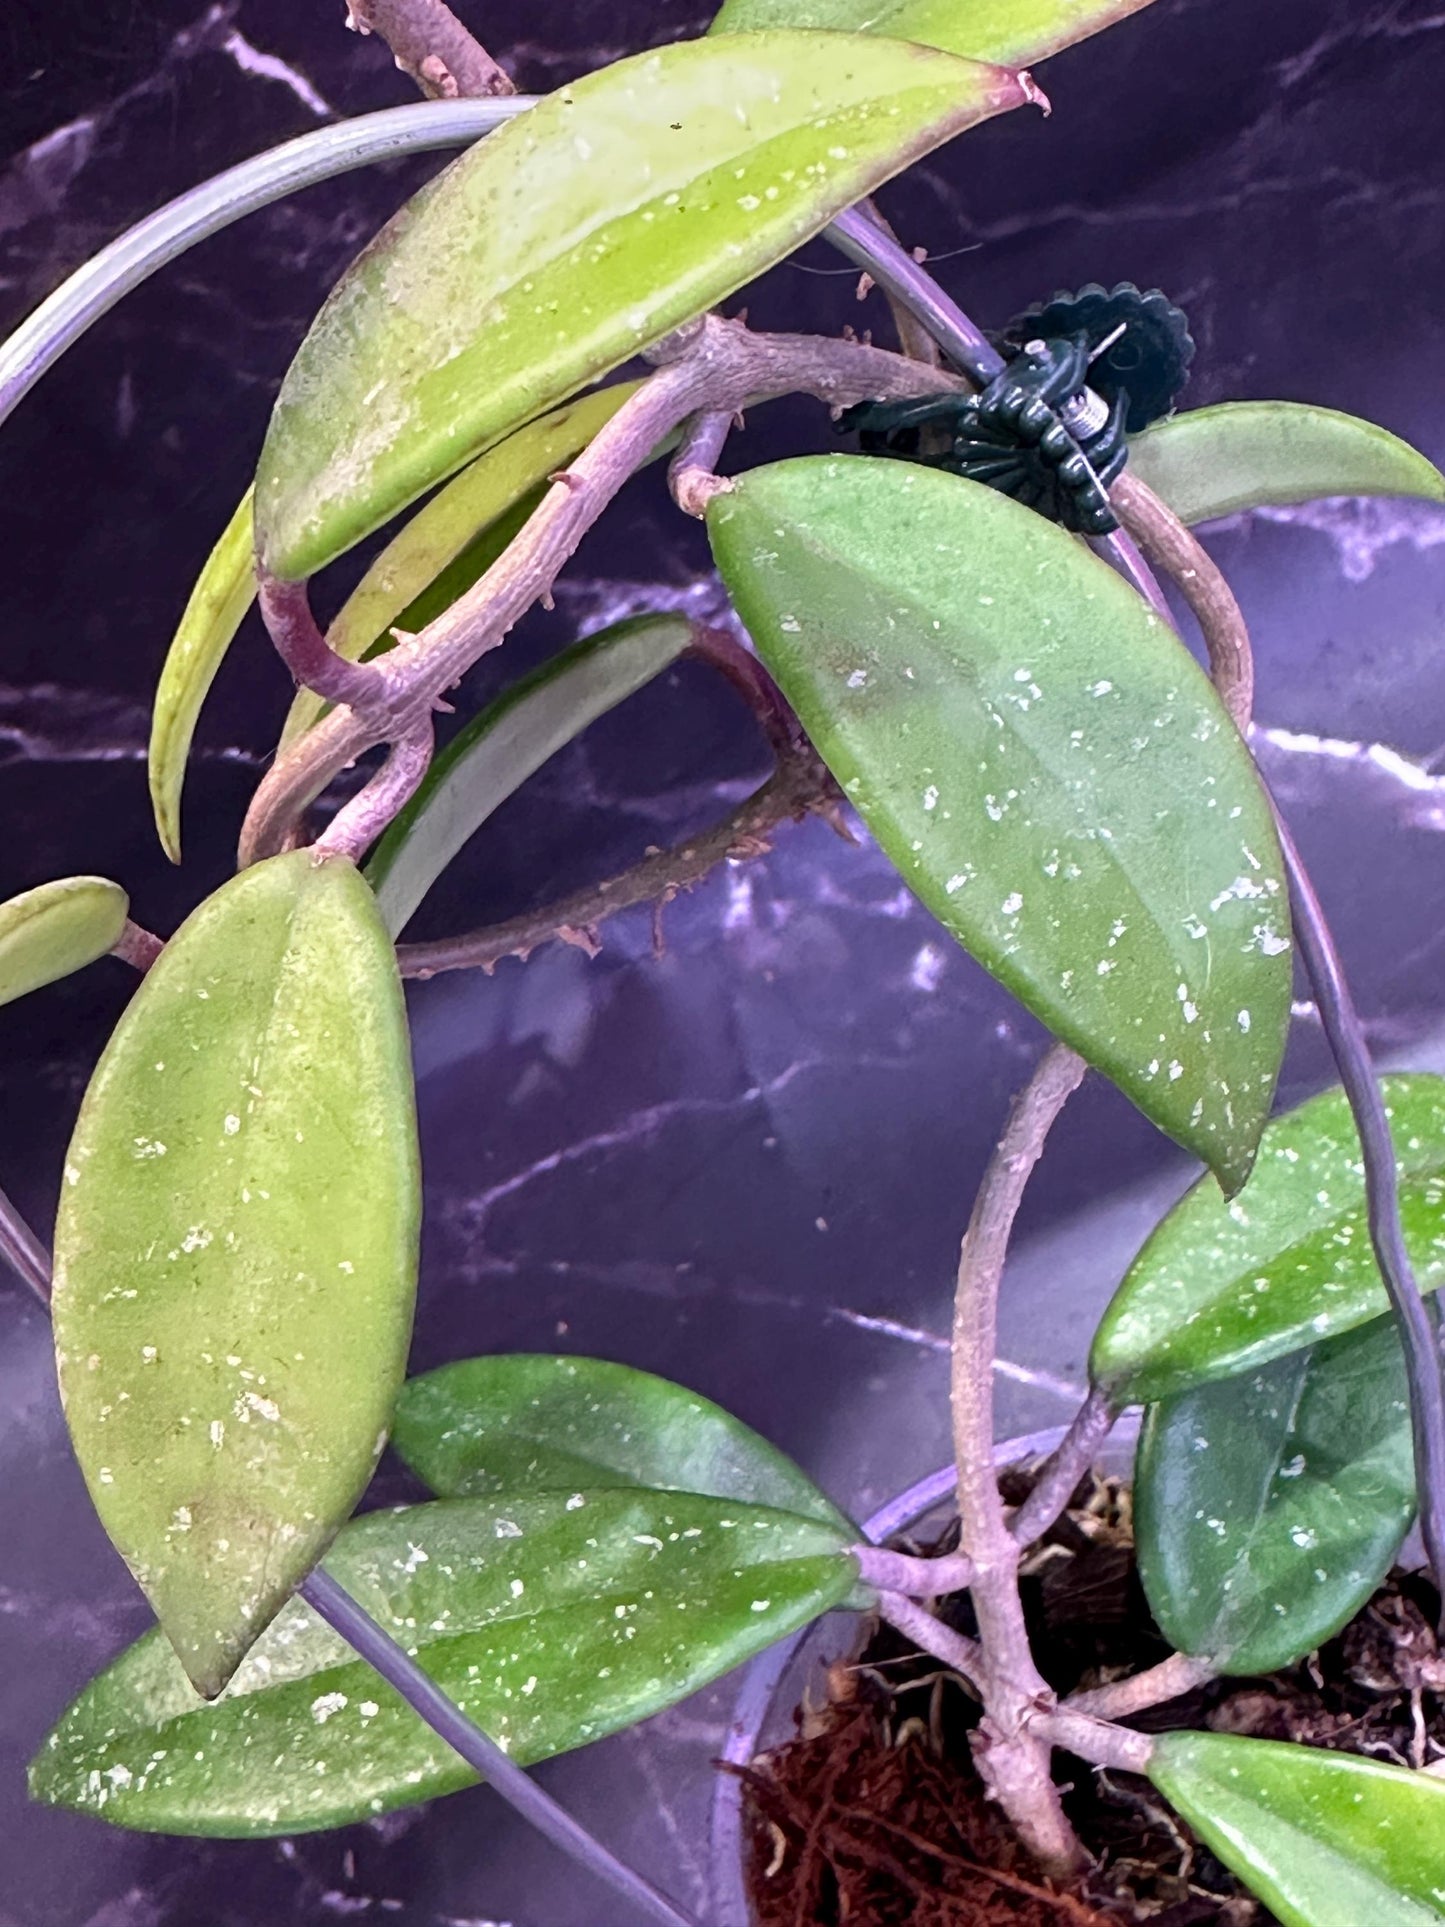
x=223, y=593
x=453, y=541
x=586, y=229
x=56, y=928
x=1013, y=33
x=1257, y=454
x=235, y=1254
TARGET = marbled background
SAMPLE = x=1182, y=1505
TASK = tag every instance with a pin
x=745, y=1165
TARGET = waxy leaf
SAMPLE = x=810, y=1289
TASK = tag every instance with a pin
x=1256, y=454
x=235, y=1255
x=503, y=745
x=524, y=1422
x=553, y=1618
x=1269, y=1507
x=56, y=928
x=452, y=542
x=223, y=593
x=1013, y=33
x=1052, y=774
x=584, y=230
x=1221, y=1288
x=1323, y=1839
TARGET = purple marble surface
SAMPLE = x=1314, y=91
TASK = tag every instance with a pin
x=745, y=1165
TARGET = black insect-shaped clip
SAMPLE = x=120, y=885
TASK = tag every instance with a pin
x=1050, y=429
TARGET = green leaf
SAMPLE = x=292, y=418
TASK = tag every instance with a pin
x=218, y=603
x=454, y=540
x=1051, y=773
x=553, y=1618
x=1270, y=1506
x=57, y=928
x=1221, y=1288
x=1324, y=1839
x=235, y=1255
x=523, y=1422
x=1012, y=33
x=1252, y=454
x=581, y=232
x=503, y=745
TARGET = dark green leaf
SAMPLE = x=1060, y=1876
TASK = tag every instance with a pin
x=1013, y=33
x=1250, y=454
x=537, y=1424
x=223, y=593
x=1324, y=1839
x=452, y=542
x=510, y=739
x=1049, y=770
x=56, y=928
x=586, y=229
x=1270, y=1506
x=1220, y=1288
x=235, y=1256
x=552, y=1618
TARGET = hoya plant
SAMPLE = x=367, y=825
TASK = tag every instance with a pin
x=952, y=631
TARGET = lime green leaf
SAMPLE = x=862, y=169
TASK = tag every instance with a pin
x=218, y=603
x=523, y=1422
x=1053, y=776
x=552, y=1618
x=583, y=231
x=454, y=540
x=510, y=739
x=1270, y=1506
x=1253, y=454
x=1013, y=33
x=1220, y=1288
x=56, y=928
x=1324, y=1839
x=235, y=1255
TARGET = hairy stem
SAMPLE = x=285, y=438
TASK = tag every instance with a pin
x=930, y=1635
x=799, y=788
x=1167, y=1681
x=722, y=366
x=429, y=43
x=137, y=946
x=286, y=611
x=1055, y=1484
x=899, y=1572
x=692, y=477
x=1170, y=546
x=1012, y=1756
x=1094, y=1740
x=356, y=827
